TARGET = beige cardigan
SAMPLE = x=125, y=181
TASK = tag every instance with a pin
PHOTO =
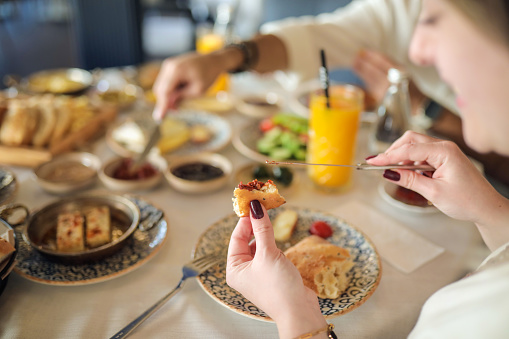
x=382, y=25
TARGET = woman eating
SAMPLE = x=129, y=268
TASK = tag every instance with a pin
x=468, y=42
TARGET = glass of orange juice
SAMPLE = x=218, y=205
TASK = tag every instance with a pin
x=206, y=42
x=333, y=135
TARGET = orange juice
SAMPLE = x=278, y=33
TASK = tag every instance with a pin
x=333, y=134
x=206, y=43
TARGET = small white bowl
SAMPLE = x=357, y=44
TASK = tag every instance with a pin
x=260, y=106
x=68, y=172
x=126, y=185
x=196, y=187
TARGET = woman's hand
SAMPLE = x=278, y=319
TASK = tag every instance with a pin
x=456, y=187
x=262, y=273
x=182, y=77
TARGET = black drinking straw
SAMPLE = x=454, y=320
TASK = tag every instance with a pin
x=324, y=77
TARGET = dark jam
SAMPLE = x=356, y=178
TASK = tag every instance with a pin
x=197, y=171
x=143, y=172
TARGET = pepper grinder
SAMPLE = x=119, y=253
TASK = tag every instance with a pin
x=393, y=113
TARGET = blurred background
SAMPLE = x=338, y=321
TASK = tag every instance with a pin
x=46, y=34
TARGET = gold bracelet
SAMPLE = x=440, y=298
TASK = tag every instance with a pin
x=329, y=329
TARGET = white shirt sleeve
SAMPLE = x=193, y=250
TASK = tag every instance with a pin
x=382, y=25
x=473, y=307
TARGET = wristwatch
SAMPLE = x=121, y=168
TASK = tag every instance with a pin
x=249, y=51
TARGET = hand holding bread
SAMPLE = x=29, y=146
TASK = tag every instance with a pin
x=268, y=279
x=266, y=193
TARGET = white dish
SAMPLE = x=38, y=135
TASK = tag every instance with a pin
x=260, y=106
x=68, y=172
x=198, y=187
x=364, y=276
x=299, y=100
x=129, y=136
x=245, y=139
x=221, y=103
x=387, y=192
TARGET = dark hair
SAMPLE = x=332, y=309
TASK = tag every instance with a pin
x=492, y=16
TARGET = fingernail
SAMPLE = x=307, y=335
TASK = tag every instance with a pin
x=391, y=175
x=256, y=209
x=370, y=157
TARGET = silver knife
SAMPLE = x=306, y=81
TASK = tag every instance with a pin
x=154, y=138
x=357, y=166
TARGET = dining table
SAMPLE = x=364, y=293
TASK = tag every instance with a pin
x=41, y=309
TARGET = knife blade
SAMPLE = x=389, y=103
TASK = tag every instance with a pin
x=154, y=138
x=360, y=166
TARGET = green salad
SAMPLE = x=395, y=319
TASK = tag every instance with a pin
x=284, y=137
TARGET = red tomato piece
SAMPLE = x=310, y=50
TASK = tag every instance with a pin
x=266, y=125
x=321, y=229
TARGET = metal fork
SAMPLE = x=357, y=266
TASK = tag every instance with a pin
x=192, y=269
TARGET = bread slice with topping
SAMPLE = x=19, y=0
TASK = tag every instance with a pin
x=6, y=249
x=70, y=232
x=266, y=193
x=98, y=230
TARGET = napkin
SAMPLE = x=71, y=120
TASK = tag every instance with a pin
x=403, y=248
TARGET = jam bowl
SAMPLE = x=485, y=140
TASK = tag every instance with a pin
x=198, y=173
x=116, y=176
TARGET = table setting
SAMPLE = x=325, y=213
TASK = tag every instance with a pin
x=401, y=253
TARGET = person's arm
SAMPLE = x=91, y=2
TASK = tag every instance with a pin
x=191, y=74
x=271, y=55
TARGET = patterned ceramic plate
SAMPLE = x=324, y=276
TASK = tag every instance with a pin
x=129, y=136
x=141, y=247
x=364, y=276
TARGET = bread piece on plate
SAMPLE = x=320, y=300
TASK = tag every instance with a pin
x=266, y=193
x=322, y=265
x=284, y=225
x=70, y=232
x=63, y=121
x=47, y=120
x=6, y=249
x=98, y=229
x=19, y=124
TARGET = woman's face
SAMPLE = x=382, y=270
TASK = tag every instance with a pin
x=476, y=67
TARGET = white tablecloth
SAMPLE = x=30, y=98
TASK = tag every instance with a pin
x=32, y=310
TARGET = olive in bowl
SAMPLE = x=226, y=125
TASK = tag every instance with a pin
x=116, y=174
x=198, y=173
x=284, y=178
